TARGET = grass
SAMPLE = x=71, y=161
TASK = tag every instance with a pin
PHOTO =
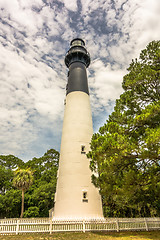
x=86, y=236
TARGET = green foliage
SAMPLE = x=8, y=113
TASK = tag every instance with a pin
x=46, y=166
x=5, y=176
x=43, y=189
x=31, y=212
x=11, y=162
x=10, y=199
x=10, y=204
x=39, y=198
x=42, y=197
x=126, y=151
x=23, y=179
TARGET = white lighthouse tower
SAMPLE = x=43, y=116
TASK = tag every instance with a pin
x=76, y=197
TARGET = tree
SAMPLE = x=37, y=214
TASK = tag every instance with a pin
x=126, y=151
x=9, y=197
x=5, y=179
x=8, y=163
x=11, y=162
x=23, y=179
x=10, y=204
x=41, y=194
x=31, y=212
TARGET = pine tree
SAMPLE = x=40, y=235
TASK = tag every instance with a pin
x=126, y=151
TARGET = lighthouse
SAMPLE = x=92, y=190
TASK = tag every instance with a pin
x=76, y=197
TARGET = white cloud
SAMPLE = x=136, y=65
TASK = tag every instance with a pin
x=106, y=83
x=18, y=103
x=89, y=6
x=19, y=13
x=141, y=22
x=70, y=4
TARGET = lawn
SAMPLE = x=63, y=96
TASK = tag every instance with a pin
x=89, y=236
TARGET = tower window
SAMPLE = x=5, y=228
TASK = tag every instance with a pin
x=85, y=197
x=83, y=149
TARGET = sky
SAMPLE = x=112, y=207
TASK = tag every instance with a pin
x=34, y=38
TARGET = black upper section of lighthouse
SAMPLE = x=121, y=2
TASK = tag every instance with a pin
x=77, y=60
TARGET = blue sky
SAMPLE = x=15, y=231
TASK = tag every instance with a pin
x=34, y=37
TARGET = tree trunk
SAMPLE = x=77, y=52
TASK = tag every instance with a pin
x=22, y=207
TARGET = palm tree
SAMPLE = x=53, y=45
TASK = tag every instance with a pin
x=22, y=180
